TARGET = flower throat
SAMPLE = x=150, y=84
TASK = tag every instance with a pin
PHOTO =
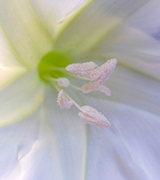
x=57, y=69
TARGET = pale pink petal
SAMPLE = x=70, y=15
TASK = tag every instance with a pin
x=102, y=73
x=89, y=87
x=82, y=69
x=92, y=116
x=63, y=102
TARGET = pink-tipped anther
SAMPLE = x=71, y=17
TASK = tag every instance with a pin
x=82, y=69
x=62, y=101
x=102, y=73
x=92, y=116
x=63, y=82
x=89, y=87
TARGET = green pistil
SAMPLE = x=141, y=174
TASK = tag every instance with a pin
x=53, y=65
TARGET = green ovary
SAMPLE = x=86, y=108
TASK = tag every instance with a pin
x=53, y=65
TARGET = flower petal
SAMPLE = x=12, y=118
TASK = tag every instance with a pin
x=93, y=23
x=20, y=98
x=70, y=134
x=29, y=151
x=134, y=89
x=52, y=13
x=147, y=19
x=51, y=144
x=42, y=161
x=130, y=148
x=132, y=48
x=10, y=68
x=15, y=142
x=27, y=37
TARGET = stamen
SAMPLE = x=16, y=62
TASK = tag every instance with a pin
x=75, y=87
x=62, y=101
x=78, y=76
x=82, y=69
x=92, y=116
x=86, y=71
x=73, y=101
x=66, y=95
x=63, y=82
x=89, y=87
x=102, y=73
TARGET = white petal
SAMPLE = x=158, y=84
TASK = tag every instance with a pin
x=15, y=142
x=27, y=37
x=42, y=161
x=93, y=23
x=147, y=19
x=133, y=49
x=29, y=150
x=130, y=148
x=49, y=145
x=133, y=89
x=10, y=68
x=71, y=138
x=20, y=98
x=52, y=13
x=141, y=138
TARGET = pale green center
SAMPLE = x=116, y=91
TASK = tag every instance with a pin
x=53, y=65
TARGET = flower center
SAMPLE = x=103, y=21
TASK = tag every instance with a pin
x=55, y=68
x=53, y=65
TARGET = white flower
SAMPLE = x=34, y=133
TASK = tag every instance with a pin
x=38, y=140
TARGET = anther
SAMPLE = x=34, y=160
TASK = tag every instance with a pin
x=86, y=71
x=89, y=87
x=63, y=82
x=62, y=101
x=102, y=73
x=92, y=116
x=82, y=69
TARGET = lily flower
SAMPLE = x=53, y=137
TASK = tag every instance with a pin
x=44, y=48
